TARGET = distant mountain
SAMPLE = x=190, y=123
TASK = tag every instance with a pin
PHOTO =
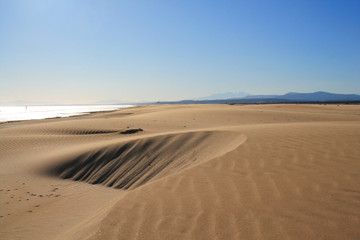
x=227, y=95
x=310, y=97
x=229, y=98
x=292, y=97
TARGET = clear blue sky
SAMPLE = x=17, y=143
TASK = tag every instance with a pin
x=83, y=51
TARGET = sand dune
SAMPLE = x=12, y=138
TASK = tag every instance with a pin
x=194, y=172
x=132, y=164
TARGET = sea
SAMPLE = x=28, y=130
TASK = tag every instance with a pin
x=19, y=113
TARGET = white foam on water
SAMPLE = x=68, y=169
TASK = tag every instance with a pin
x=18, y=113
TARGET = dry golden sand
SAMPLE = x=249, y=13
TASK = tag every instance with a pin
x=194, y=172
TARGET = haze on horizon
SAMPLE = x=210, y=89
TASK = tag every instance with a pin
x=67, y=52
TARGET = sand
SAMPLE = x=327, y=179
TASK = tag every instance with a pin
x=184, y=172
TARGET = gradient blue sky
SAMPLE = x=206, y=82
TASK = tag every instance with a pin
x=86, y=51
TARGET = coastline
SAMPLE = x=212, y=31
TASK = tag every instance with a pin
x=56, y=111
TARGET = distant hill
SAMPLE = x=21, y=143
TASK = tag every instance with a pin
x=309, y=97
x=292, y=97
x=230, y=97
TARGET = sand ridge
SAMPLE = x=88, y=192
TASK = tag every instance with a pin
x=194, y=172
x=134, y=163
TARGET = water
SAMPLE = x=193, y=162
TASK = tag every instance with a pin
x=40, y=112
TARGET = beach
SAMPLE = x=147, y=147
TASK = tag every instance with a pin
x=216, y=171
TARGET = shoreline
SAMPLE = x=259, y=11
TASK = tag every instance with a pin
x=176, y=104
x=71, y=116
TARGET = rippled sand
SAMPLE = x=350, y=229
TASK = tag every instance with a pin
x=184, y=172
